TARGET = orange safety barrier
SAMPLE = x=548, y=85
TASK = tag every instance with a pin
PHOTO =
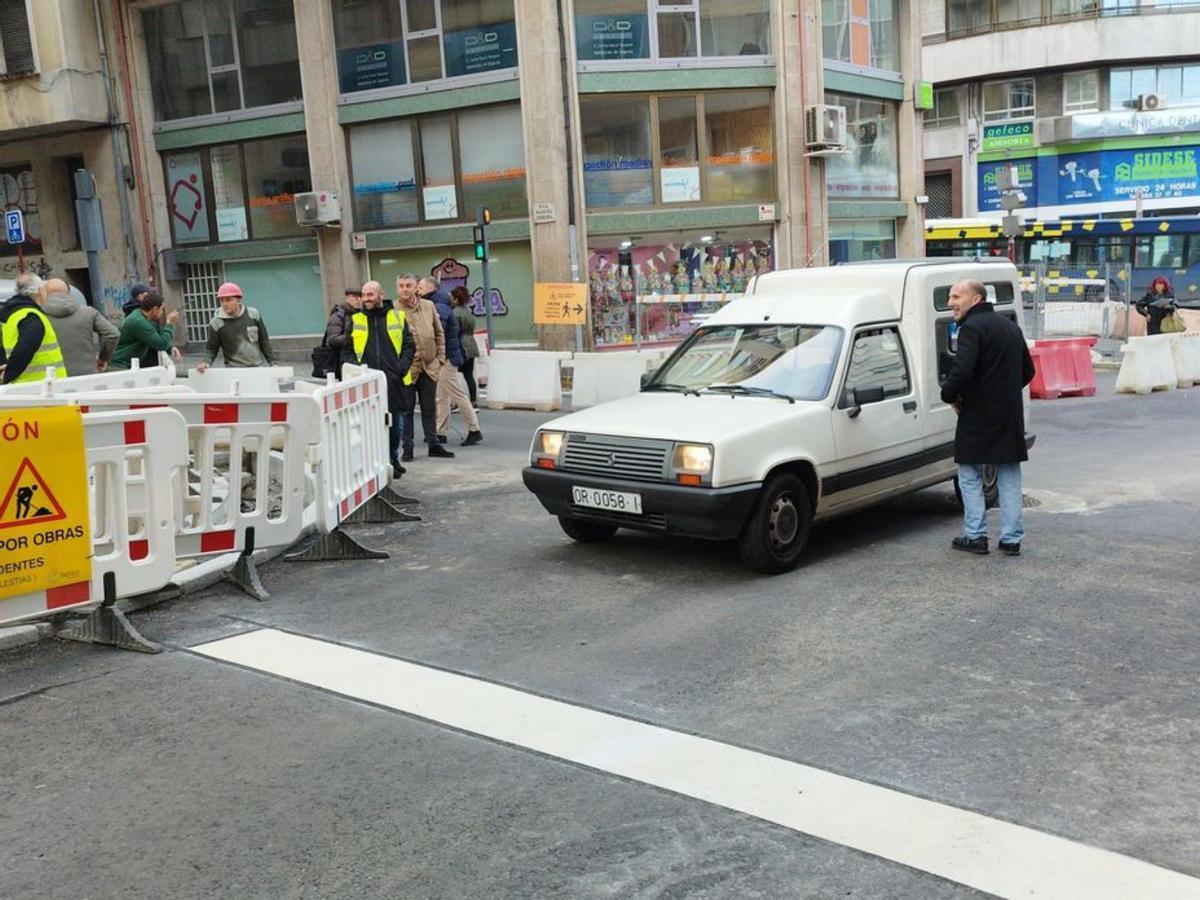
x=1063, y=368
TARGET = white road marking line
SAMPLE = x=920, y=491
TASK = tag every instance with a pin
x=984, y=853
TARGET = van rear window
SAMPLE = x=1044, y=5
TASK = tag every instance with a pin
x=1000, y=293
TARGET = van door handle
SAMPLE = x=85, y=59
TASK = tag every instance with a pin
x=910, y=405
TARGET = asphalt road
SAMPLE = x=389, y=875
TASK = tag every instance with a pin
x=1057, y=691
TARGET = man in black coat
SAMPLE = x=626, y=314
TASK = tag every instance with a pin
x=985, y=384
x=379, y=322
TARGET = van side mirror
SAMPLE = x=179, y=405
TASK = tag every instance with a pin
x=864, y=395
x=646, y=376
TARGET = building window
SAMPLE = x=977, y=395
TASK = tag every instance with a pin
x=387, y=43
x=854, y=240
x=945, y=109
x=715, y=147
x=237, y=192
x=461, y=160
x=849, y=36
x=16, y=39
x=1071, y=9
x=1018, y=12
x=17, y=191
x=1008, y=100
x=1081, y=92
x=1130, y=7
x=967, y=17
x=1179, y=84
x=670, y=29
x=871, y=167
x=214, y=56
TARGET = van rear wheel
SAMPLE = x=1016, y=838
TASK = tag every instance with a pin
x=586, y=532
x=777, y=531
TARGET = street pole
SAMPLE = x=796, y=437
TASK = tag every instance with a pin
x=483, y=218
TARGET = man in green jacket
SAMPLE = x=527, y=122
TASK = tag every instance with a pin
x=140, y=333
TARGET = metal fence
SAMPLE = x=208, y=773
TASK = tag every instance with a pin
x=1073, y=301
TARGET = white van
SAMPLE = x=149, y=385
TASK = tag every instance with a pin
x=816, y=394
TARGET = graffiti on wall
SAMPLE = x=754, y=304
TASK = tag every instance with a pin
x=450, y=273
x=9, y=268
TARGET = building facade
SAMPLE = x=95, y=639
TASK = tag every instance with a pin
x=648, y=149
x=1096, y=102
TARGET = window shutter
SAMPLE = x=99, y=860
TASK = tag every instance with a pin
x=16, y=43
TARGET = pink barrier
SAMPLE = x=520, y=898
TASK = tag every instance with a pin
x=1063, y=368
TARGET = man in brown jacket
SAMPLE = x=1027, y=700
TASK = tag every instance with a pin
x=426, y=328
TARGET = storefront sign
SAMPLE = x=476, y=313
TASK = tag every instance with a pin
x=43, y=502
x=611, y=37
x=481, y=49
x=1007, y=136
x=559, y=304
x=374, y=66
x=681, y=184
x=1125, y=123
x=1121, y=174
x=185, y=192
x=989, y=193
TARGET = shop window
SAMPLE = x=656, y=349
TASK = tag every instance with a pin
x=658, y=288
x=1081, y=92
x=212, y=56
x=462, y=160
x=679, y=154
x=854, y=240
x=617, y=168
x=945, y=109
x=16, y=48
x=276, y=170
x=670, y=29
x=741, y=156
x=229, y=193
x=17, y=191
x=861, y=32
x=388, y=43
x=871, y=167
x=1008, y=100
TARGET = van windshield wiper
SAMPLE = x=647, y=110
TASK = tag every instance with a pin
x=676, y=388
x=744, y=390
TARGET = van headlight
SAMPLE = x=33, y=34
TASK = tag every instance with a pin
x=692, y=464
x=546, y=448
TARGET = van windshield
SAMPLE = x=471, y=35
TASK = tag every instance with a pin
x=795, y=361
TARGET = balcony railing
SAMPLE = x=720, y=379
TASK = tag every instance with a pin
x=967, y=18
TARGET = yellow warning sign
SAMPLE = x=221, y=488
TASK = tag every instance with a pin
x=45, y=540
x=559, y=304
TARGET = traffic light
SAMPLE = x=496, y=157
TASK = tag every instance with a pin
x=485, y=216
x=480, y=243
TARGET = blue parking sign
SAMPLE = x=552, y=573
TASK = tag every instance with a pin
x=14, y=222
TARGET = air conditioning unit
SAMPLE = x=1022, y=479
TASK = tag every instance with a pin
x=318, y=208
x=1151, y=102
x=825, y=127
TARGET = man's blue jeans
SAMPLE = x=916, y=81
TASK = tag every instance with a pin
x=970, y=483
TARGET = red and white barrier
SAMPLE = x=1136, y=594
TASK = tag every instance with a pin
x=130, y=456
x=134, y=379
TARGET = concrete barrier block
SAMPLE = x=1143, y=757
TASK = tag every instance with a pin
x=1148, y=365
x=525, y=379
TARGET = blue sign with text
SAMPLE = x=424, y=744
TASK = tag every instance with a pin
x=14, y=223
x=989, y=194
x=612, y=37
x=481, y=49
x=373, y=66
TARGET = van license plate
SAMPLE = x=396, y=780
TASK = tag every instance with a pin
x=612, y=501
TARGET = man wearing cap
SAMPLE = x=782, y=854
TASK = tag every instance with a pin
x=337, y=331
x=237, y=332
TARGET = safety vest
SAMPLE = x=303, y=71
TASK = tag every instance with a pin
x=47, y=355
x=395, y=332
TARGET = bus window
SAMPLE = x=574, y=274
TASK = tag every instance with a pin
x=1163, y=251
x=1193, y=250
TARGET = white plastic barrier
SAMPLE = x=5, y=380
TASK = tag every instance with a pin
x=134, y=379
x=529, y=379
x=1148, y=365
x=600, y=377
x=258, y=380
x=245, y=464
x=353, y=464
x=1186, y=350
x=1075, y=318
x=131, y=456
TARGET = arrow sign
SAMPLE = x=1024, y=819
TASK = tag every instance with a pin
x=14, y=223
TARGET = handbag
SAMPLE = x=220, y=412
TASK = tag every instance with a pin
x=324, y=360
x=1173, y=324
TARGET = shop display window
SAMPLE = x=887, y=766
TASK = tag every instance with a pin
x=276, y=171
x=871, y=168
x=617, y=168
x=657, y=288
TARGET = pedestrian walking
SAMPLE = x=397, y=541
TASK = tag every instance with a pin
x=461, y=300
x=377, y=335
x=430, y=341
x=237, y=332
x=1157, y=304
x=146, y=329
x=78, y=327
x=337, y=330
x=450, y=386
x=28, y=342
x=985, y=384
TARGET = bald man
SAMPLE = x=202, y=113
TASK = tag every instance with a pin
x=79, y=328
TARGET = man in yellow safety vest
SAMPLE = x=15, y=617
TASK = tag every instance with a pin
x=379, y=338
x=28, y=344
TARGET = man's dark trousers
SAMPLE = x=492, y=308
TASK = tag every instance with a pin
x=424, y=390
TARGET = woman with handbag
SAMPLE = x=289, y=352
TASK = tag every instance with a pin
x=1158, y=305
x=332, y=352
x=460, y=299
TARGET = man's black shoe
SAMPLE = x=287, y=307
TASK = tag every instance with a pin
x=1011, y=549
x=473, y=438
x=441, y=439
x=971, y=545
x=407, y=455
x=397, y=470
x=439, y=450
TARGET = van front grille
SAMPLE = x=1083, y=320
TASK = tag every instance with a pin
x=608, y=457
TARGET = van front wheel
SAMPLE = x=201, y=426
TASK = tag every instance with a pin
x=777, y=531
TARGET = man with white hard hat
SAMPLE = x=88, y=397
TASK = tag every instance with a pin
x=237, y=332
